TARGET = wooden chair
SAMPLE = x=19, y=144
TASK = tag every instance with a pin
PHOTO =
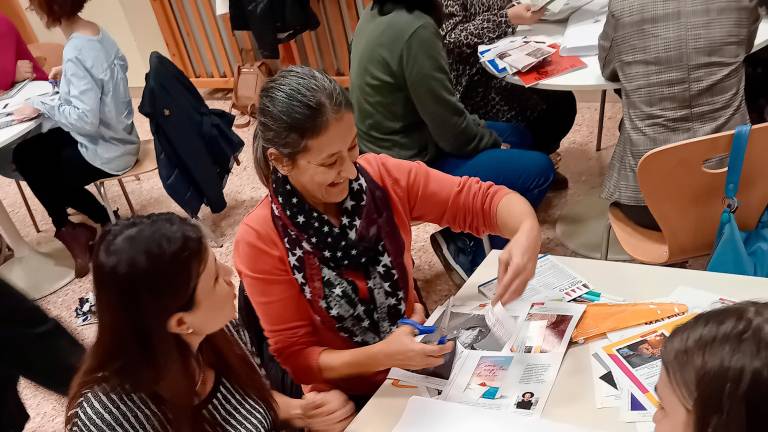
x=147, y=162
x=686, y=198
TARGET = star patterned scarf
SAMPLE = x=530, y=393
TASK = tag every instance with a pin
x=321, y=255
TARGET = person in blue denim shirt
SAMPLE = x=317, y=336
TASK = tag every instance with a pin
x=94, y=137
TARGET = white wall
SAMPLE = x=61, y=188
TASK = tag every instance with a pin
x=131, y=23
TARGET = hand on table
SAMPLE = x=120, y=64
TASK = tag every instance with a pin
x=401, y=350
x=329, y=411
x=55, y=73
x=25, y=112
x=24, y=70
x=523, y=14
x=517, y=264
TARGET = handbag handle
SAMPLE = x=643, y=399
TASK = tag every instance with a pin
x=736, y=163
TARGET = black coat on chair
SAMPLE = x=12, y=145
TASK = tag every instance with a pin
x=195, y=145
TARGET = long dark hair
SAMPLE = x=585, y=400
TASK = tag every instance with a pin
x=145, y=269
x=716, y=363
x=432, y=8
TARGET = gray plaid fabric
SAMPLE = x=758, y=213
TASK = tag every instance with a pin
x=680, y=63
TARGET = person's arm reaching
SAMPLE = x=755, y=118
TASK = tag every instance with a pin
x=467, y=204
x=429, y=82
x=517, y=263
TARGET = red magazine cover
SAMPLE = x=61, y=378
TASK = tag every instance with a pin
x=551, y=67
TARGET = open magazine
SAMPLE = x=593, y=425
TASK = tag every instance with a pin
x=519, y=378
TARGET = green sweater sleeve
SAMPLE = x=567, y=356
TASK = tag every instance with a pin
x=429, y=83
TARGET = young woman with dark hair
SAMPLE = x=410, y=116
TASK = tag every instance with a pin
x=715, y=372
x=167, y=356
x=405, y=106
x=94, y=137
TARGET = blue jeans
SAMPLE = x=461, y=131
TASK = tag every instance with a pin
x=527, y=172
x=519, y=168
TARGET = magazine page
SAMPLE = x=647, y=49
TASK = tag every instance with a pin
x=525, y=56
x=520, y=377
x=638, y=359
x=607, y=392
x=472, y=327
x=552, y=281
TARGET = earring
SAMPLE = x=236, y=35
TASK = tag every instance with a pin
x=189, y=331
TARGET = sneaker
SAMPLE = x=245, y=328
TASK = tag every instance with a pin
x=459, y=253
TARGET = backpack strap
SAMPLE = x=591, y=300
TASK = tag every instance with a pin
x=736, y=163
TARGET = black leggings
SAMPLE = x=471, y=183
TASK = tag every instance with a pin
x=33, y=346
x=57, y=173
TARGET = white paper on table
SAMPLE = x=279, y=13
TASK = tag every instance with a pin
x=605, y=395
x=552, y=281
x=645, y=426
x=222, y=7
x=555, y=6
x=583, y=30
x=423, y=414
x=569, y=8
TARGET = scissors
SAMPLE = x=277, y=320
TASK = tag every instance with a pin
x=441, y=328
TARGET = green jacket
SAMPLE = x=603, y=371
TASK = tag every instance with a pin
x=404, y=102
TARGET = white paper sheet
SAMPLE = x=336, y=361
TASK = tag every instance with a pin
x=552, y=281
x=222, y=7
x=583, y=31
x=423, y=414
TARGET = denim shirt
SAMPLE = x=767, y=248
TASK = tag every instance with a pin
x=94, y=104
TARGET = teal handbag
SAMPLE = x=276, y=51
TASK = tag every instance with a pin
x=737, y=252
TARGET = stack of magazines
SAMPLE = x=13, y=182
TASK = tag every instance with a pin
x=513, y=54
x=530, y=61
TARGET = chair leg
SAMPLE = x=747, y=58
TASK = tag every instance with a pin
x=102, y=192
x=606, y=242
x=26, y=204
x=600, y=120
x=127, y=198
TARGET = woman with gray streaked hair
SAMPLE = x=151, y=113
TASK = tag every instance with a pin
x=326, y=257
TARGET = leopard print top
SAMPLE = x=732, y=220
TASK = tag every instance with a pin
x=468, y=24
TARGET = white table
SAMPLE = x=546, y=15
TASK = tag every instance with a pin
x=36, y=273
x=571, y=400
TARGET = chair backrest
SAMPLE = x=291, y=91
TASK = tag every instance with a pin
x=686, y=198
x=48, y=54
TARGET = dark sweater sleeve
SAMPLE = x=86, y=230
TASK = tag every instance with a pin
x=463, y=33
x=429, y=83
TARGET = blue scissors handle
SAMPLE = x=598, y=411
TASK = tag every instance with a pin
x=422, y=329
